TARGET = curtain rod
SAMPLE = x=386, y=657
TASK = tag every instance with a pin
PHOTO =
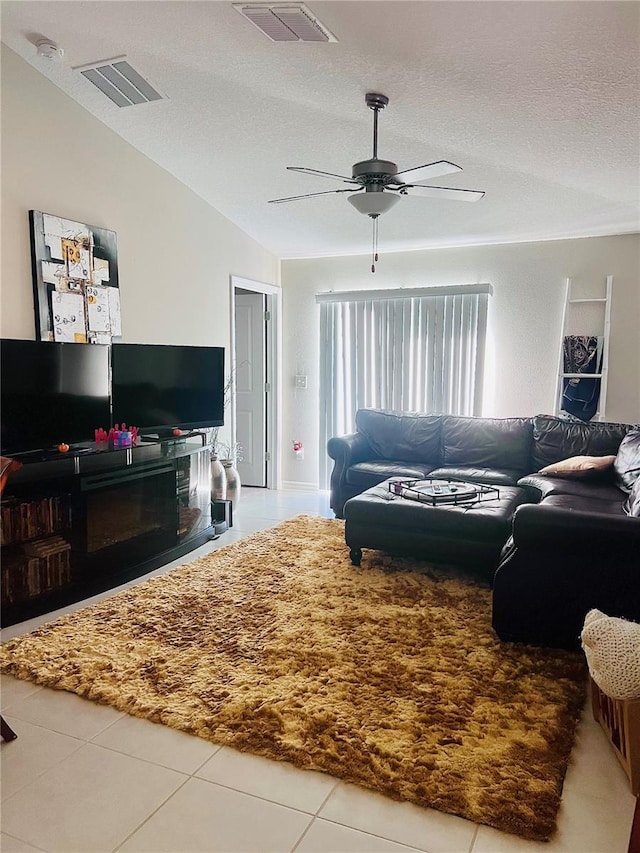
x=403, y=292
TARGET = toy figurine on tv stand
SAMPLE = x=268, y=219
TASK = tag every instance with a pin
x=118, y=437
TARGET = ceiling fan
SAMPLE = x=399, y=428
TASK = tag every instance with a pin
x=381, y=181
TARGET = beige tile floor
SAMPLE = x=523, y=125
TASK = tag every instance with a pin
x=84, y=777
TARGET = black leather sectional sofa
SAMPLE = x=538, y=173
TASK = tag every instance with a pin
x=572, y=542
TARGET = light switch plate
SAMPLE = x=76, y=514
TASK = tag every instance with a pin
x=301, y=381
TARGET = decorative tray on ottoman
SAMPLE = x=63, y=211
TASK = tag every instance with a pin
x=437, y=491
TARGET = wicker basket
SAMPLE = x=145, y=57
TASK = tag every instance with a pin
x=620, y=720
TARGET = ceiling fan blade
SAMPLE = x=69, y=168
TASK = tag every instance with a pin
x=309, y=195
x=426, y=173
x=442, y=192
x=306, y=171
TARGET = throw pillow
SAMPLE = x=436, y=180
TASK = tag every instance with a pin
x=579, y=466
x=612, y=649
x=626, y=468
x=632, y=504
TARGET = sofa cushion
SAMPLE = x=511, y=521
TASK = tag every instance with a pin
x=579, y=467
x=503, y=443
x=410, y=436
x=367, y=474
x=578, y=504
x=545, y=485
x=632, y=503
x=558, y=438
x=491, y=476
x=626, y=468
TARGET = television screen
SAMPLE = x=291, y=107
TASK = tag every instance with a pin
x=52, y=393
x=158, y=388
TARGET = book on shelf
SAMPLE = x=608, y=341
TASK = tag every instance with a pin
x=46, y=547
x=36, y=568
x=22, y=519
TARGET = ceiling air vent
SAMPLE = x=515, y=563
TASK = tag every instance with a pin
x=120, y=82
x=280, y=22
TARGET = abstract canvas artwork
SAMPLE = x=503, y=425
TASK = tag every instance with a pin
x=75, y=280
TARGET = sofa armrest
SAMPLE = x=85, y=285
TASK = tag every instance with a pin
x=345, y=450
x=558, y=565
x=537, y=525
x=348, y=449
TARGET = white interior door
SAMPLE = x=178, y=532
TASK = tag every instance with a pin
x=251, y=409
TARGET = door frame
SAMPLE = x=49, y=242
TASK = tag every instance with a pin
x=273, y=353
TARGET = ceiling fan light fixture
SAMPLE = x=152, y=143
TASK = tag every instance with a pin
x=373, y=203
x=383, y=185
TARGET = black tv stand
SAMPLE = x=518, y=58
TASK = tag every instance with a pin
x=50, y=454
x=161, y=437
x=75, y=525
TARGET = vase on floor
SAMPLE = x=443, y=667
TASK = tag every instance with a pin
x=218, y=480
x=233, y=482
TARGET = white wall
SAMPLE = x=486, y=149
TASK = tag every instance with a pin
x=524, y=322
x=175, y=252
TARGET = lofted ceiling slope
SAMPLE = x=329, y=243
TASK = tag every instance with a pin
x=539, y=102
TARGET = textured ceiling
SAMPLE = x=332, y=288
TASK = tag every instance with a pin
x=539, y=102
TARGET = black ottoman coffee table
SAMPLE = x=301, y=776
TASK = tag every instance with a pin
x=470, y=534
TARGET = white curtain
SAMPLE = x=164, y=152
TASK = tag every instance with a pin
x=421, y=350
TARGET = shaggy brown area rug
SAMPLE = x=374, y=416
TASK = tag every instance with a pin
x=388, y=675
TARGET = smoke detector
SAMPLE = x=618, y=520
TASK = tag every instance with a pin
x=49, y=50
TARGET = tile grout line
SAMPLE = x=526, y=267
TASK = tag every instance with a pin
x=81, y=744
x=66, y=734
x=139, y=758
x=313, y=818
x=11, y=714
x=374, y=834
x=149, y=761
x=149, y=816
x=123, y=714
x=23, y=841
x=47, y=770
x=324, y=802
x=304, y=832
x=5, y=709
x=215, y=784
x=206, y=761
x=254, y=796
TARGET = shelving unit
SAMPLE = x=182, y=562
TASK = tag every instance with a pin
x=35, y=546
x=589, y=315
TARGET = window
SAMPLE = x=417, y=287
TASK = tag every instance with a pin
x=417, y=350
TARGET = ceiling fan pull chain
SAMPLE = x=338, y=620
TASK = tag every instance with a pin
x=375, y=248
x=375, y=244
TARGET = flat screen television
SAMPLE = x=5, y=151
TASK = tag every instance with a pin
x=52, y=393
x=159, y=388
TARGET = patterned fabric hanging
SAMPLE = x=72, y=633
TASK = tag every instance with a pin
x=582, y=354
